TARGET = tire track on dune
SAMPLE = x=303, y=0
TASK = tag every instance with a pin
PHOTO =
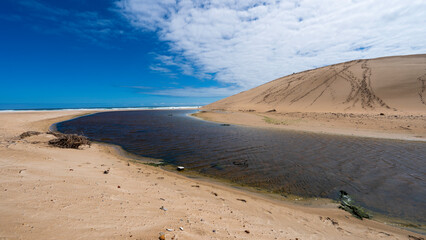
x=365, y=94
x=328, y=86
x=315, y=84
x=322, y=82
x=319, y=85
x=349, y=86
x=273, y=93
x=422, y=90
x=361, y=90
x=279, y=95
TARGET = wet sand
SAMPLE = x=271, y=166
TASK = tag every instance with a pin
x=52, y=193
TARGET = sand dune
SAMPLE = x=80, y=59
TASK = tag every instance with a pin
x=390, y=84
x=380, y=98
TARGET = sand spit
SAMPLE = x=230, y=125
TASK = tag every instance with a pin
x=383, y=97
x=53, y=193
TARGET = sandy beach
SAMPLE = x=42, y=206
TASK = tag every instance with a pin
x=53, y=193
x=410, y=127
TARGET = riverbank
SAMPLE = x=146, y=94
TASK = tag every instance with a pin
x=397, y=126
x=52, y=193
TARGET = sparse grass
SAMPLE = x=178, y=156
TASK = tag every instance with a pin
x=155, y=164
x=410, y=225
x=274, y=121
x=281, y=121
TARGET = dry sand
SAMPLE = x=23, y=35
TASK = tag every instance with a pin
x=52, y=193
x=383, y=97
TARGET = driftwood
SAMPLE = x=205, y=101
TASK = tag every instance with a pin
x=68, y=140
x=29, y=134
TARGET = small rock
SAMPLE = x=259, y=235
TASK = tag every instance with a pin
x=162, y=236
x=247, y=231
x=118, y=186
x=169, y=229
x=214, y=230
x=106, y=171
x=242, y=200
x=163, y=208
x=180, y=168
x=181, y=228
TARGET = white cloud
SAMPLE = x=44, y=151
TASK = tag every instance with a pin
x=159, y=69
x=247, y=43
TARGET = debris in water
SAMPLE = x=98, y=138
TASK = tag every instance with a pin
x=348, y=204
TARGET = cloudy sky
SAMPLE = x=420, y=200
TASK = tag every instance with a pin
x=75, y=53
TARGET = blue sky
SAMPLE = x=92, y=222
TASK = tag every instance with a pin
x=122, y=53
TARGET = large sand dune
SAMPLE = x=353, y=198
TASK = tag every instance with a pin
x=389, y=84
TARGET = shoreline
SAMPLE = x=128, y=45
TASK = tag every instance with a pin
x=312, y=202
x=264, y=194
x=229, y=218
x=311, y=124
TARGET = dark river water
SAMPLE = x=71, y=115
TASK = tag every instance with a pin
x=385, y=176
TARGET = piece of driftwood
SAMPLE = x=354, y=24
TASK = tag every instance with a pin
x=68, y=140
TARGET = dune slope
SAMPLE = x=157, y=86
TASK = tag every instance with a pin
x=390, y=84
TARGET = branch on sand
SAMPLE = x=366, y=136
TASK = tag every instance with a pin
x=68, y=140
